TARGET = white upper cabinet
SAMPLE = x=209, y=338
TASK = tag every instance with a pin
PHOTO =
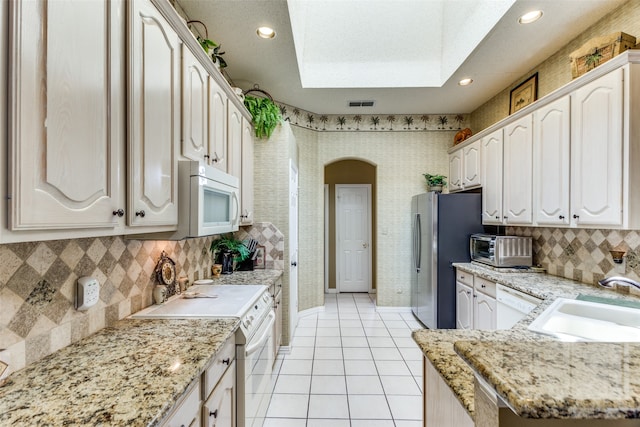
x=154, y=117
x=246, y=183
x=551, y=150
x=597, y=151
x=471, y=166
x=455, y=171
x=234, y=140
x=194, y=107
x=464, y=168
x=518, y=172
x=66, y=127
x=491, y=167
x=217, y=126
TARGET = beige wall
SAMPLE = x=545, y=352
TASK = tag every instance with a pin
x=350, y=172
x=555, y=71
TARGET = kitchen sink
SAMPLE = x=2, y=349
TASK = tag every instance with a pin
x=575, y=320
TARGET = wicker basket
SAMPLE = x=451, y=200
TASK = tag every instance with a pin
x=598, y=51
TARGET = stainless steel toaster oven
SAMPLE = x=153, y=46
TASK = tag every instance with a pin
x=501, y=251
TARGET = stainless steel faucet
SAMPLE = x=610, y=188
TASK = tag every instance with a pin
x=609, y=282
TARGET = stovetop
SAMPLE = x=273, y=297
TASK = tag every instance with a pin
x=209, y=301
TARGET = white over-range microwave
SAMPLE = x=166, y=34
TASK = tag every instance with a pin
x=209, y=200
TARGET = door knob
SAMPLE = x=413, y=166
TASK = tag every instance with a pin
x=365, y=245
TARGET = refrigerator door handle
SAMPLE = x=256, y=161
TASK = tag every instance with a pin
x=418, y=243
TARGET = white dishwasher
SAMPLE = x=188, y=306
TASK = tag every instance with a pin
x=512, y=306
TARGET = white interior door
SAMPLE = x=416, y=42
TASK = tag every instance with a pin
x=293, y=248
x=353, y=237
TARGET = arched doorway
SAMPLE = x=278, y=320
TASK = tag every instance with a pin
x=353, y=179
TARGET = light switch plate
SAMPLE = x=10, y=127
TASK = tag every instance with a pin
x=87, y=293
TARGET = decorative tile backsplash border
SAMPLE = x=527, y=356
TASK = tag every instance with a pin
x=37, y=285
x=583, y=254
x=373, y=122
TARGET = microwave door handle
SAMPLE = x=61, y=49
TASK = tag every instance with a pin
x=237, y=212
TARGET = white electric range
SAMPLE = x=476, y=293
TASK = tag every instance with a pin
x=253, y=305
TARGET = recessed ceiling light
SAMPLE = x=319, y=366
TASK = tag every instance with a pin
x=266, y=32
x=465, y=82
x=530, y=17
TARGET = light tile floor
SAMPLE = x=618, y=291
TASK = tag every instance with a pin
x=349, y=366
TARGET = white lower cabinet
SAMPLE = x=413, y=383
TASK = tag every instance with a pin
x=211, y=399
x=187, y=411
x=475, y=302
x=219, y=410
x=441, y=407
x=277, y=325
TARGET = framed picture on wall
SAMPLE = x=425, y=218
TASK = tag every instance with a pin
x=259, y=257
x=524, y=94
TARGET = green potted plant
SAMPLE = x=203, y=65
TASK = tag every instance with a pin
x=435, y=182
x=210, y=47
x=226, y=250
x=265, y=115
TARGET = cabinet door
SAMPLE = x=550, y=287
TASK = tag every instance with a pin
x=234, y=140
x=217, y=126
x=66, y=128
x=464, y=306
x=471, y=166
x=441, y=407
x=194, y=107
x=491, y=167
x=277, y=325
x=154, y=117
x=219, y=409
x=518, y=172
x=246, y=183
x=484, y=312
x=596, y=152
x=455, y=171
x=551, y=139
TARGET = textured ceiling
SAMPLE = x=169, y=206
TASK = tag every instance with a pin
x=505, y=54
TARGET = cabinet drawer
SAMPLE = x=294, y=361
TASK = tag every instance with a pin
x=464, y=277
x=220, y=364
x=485, y=286
x=187, y=412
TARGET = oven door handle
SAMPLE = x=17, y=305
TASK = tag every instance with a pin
x=254, y=346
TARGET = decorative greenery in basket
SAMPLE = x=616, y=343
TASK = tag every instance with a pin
x=209, y=46
x=228, y=243
x=435, y=182
x=265, y=115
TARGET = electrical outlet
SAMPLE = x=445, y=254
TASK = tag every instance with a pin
x=87, y=293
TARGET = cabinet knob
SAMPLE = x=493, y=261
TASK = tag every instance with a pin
x=505, y=217
x=119, y=213
x=483, y=286
x=294, y=264
x=497, y=217
x=206, y=156
x=226, y=361
x=213, y=414
x=576, y=216
x=461, y=276
x=141, y=214
x=561, y=217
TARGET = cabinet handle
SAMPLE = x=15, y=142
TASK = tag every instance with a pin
x=576, y=216
x=213, y=414
x=226, y=361
x=141, y=214
x=561, y=217
x=119, y=212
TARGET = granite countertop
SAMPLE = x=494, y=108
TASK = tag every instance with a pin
x=438, y=347
x=255, y=277
x=130, y=374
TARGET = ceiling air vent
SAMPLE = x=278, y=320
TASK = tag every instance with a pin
x=361, y=103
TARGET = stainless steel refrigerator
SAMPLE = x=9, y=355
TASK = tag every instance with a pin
x=441, y=226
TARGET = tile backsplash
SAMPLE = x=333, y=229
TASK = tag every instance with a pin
x=583, y=254
x=37, y=284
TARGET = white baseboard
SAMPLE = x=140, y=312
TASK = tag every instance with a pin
x=310, y=311
x=386, y=309
x=284, y=349
x=331, y=291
